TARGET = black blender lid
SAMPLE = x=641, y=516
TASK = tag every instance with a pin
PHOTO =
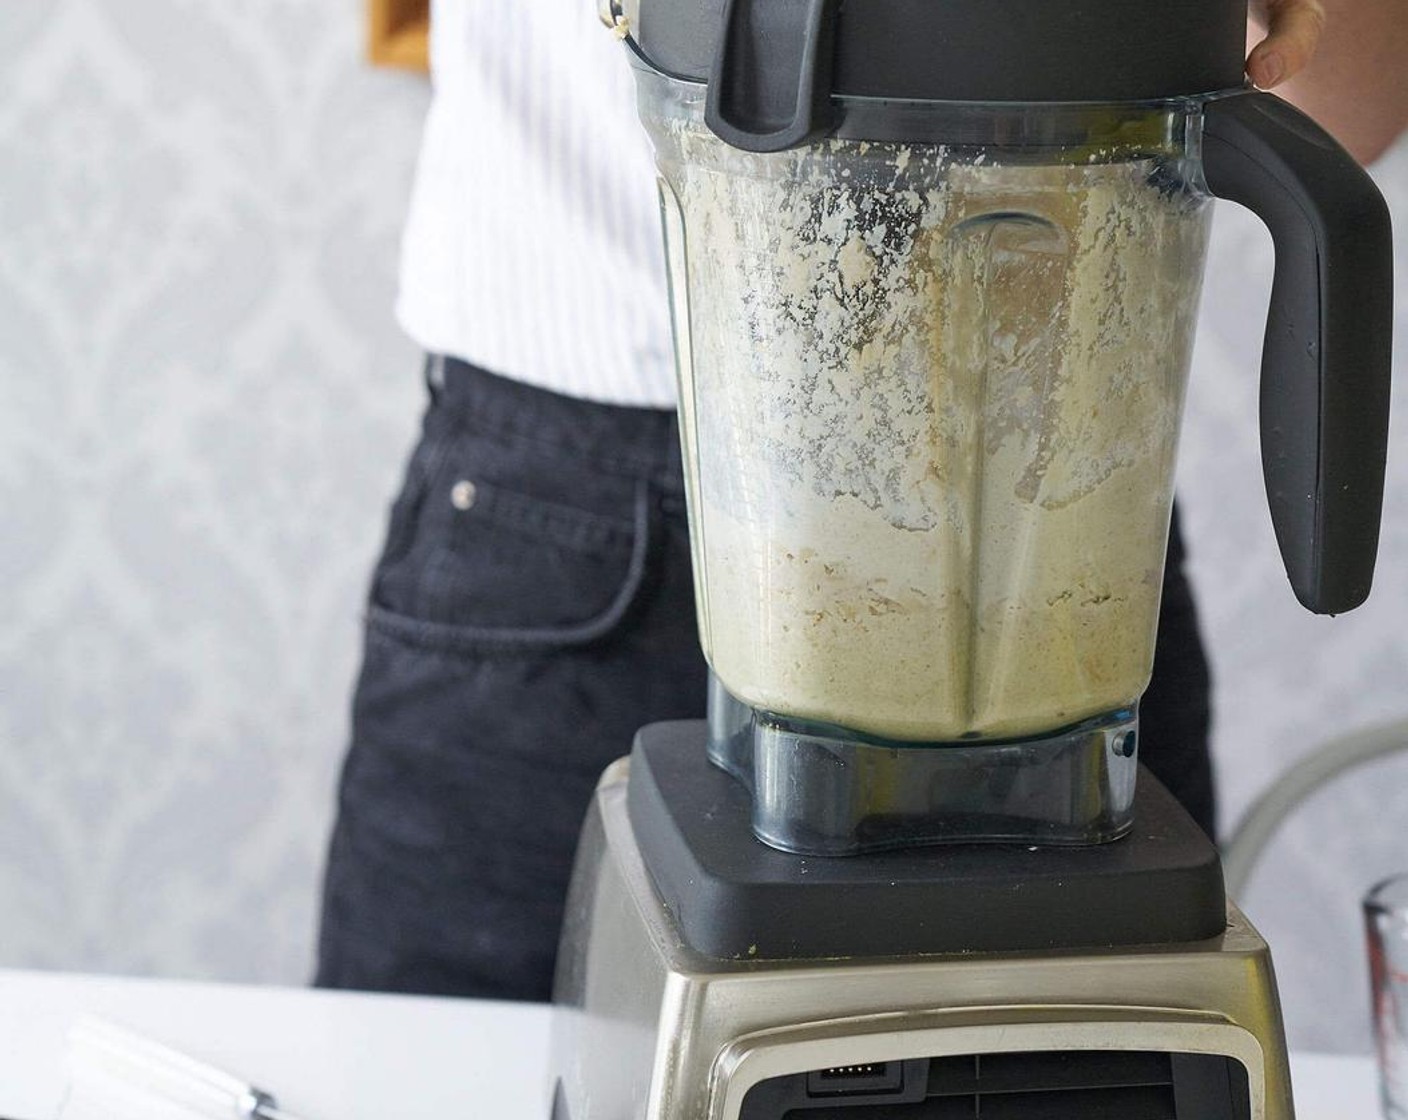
x=777, y=63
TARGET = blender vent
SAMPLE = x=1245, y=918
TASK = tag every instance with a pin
x=1043, y=1085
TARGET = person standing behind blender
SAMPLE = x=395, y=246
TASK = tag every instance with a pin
x=533, y=605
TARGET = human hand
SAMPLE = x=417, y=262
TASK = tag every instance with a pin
x=1292, y=31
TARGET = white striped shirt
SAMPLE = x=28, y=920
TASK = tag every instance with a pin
x=532, y=247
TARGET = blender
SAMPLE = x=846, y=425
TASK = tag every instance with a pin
x=934, y=273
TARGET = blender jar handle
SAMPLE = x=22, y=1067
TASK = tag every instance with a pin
x=1326, y=357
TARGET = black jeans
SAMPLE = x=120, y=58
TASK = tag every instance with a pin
x=533, y=608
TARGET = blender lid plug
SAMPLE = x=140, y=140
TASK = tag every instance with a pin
x=770, y=84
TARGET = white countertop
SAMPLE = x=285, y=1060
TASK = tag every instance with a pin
x=352, y=1056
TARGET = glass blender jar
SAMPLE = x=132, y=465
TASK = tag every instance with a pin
x=934, y=308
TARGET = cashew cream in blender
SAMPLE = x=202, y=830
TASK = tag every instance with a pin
x=936, y=401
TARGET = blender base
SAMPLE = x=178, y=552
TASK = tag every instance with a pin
x=733, y=897
x=653, y=1026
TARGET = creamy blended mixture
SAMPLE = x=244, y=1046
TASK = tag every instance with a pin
x=936, y=404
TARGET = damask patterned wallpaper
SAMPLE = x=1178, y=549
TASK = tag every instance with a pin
x=204, y=403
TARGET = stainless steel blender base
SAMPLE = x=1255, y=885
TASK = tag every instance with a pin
x=648, y=1029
